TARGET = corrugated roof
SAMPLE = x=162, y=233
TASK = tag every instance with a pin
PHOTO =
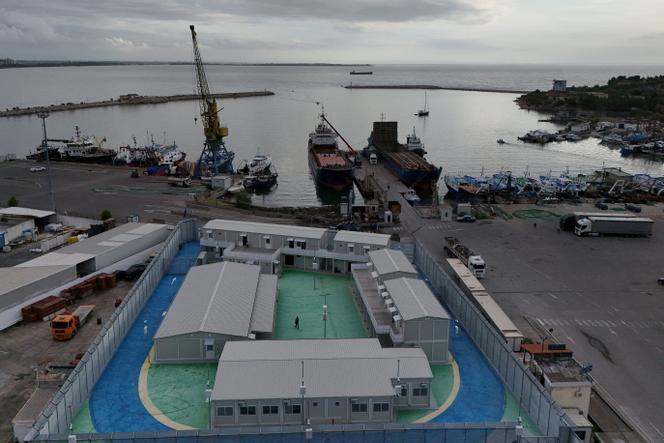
x=14, y=278
x=57, y=259
x=28, y=212
x=368, y=238
x=266, y=228
x=262, y=318
x=332, y=368
x=413, y=299
x=218, y=298
x=387, y=261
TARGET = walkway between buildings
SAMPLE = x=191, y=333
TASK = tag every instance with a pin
x=115, y=405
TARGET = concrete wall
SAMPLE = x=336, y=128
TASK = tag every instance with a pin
x=189, y=348
x=573, y=395
x=430, y=334
x=333, y=410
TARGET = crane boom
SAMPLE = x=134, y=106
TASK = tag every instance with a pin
x=214, y=157
x=350, y=148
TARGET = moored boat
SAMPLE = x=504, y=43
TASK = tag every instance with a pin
x=329, y=165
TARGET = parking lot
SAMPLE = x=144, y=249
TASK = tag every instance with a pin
x=600, y=296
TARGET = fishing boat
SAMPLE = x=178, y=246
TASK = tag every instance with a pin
x=329, y=165
x=411, y=169
x=85, y=150
x=40, y=153
x=414, y=144
x=424, y=112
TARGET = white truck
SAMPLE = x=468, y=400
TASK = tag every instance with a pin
x=627, y=226
x=473, y=262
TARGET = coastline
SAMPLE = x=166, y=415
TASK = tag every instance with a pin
x=434, y=87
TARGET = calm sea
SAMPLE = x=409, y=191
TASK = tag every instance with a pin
x=460, y=134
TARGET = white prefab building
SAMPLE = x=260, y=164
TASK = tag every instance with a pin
x=216, y=303
x=274, y=247
x=387, y=264
x=405, y=309
x=317, y=381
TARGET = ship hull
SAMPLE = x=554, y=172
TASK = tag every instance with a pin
x=420, y=178
x=107, y=158
x=337, y=179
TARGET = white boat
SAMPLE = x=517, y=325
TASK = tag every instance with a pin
x=414, y=144
x=424, y=112
x=260, y=164
x=411, y=196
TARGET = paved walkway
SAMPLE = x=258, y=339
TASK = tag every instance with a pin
x=115, y=405
x=303, y=294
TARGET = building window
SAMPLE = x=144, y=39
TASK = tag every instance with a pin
x=303, y=244
x=225, y=411
x=404, y=391
x=292, y=409
x=270, y=410
x=351, y=248
x=315, y=404
x=291, y=243
x=422, y=391
x=359, y=407
x=366, y=249
x=247, y=410
x=381, y=407
x=209, y=347
x=267, y=240
x=337, y=403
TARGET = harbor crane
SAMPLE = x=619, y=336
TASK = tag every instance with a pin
x=215, y=158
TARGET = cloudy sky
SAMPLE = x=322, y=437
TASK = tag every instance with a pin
x=338, y=31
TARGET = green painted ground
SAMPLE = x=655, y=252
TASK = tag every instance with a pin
x=83, y=421
x=512, y=413
x=441, y=388
x=178, y=390
x=303, y=294
x=536, y=214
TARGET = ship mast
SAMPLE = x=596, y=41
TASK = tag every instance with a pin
x=214, y=155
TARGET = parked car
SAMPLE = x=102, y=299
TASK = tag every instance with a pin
x=633, y=208
x=38, y=169
x=131, y=273
x=601, y=205
x=466, y=218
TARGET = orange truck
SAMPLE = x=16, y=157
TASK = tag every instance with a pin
x=65, y=326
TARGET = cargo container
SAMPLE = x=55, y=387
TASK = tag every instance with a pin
x=626, y=226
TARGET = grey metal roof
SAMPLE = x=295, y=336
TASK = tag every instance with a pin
x=28, y=212
x=262, y=317
x=368, y=238
x=413, y=299
x=218, y=298
x=266, y=228
x=332, y=368
x=14, y=278
x=387, y=261
x=96, y=245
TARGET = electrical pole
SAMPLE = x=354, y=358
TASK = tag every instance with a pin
x=44, y=115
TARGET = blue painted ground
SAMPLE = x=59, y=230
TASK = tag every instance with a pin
x=114, y=403
x=481, y=395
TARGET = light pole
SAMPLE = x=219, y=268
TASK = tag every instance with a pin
x=44, y=115
x=325, y=321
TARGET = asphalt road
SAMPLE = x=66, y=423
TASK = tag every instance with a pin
x=599, y=295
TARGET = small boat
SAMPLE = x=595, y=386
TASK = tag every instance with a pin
x=500, y=141
x=354, y=72
x=424, y=112
x=414, y=144
x=262, y=182
x=258, y=165
x=411, y=196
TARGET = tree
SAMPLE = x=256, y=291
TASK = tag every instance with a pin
x=106, y=214
x=12, y=202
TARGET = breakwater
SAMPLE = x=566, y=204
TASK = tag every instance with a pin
x=446, y=88
x=125, y=100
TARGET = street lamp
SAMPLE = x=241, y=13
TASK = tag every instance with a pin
x=44, y=115
x=325, y=321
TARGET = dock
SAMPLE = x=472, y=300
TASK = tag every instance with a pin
x=127, y=100
x=430, y=87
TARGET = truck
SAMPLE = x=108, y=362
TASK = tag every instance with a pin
x=472, y=261
x=626, y=226
x=567, y=222
x=65, y=326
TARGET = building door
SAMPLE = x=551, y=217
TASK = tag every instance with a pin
x=209, y=349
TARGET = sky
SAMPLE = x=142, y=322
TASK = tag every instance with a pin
x=596, y=32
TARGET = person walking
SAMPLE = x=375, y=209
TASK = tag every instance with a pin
x=297, y=322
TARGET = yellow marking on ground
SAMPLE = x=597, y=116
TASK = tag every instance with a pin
x=147, y=403
x=455, y=391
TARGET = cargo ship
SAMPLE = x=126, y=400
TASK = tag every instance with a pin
x=329, y=165
x=411, y=169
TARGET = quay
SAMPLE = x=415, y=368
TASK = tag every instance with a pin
x=431, y=87
x=127, y=100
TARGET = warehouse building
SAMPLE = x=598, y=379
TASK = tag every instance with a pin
x=403, y=309
x=274, y=247
x=318, y=382
x=216, y=303
x=48, y=274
